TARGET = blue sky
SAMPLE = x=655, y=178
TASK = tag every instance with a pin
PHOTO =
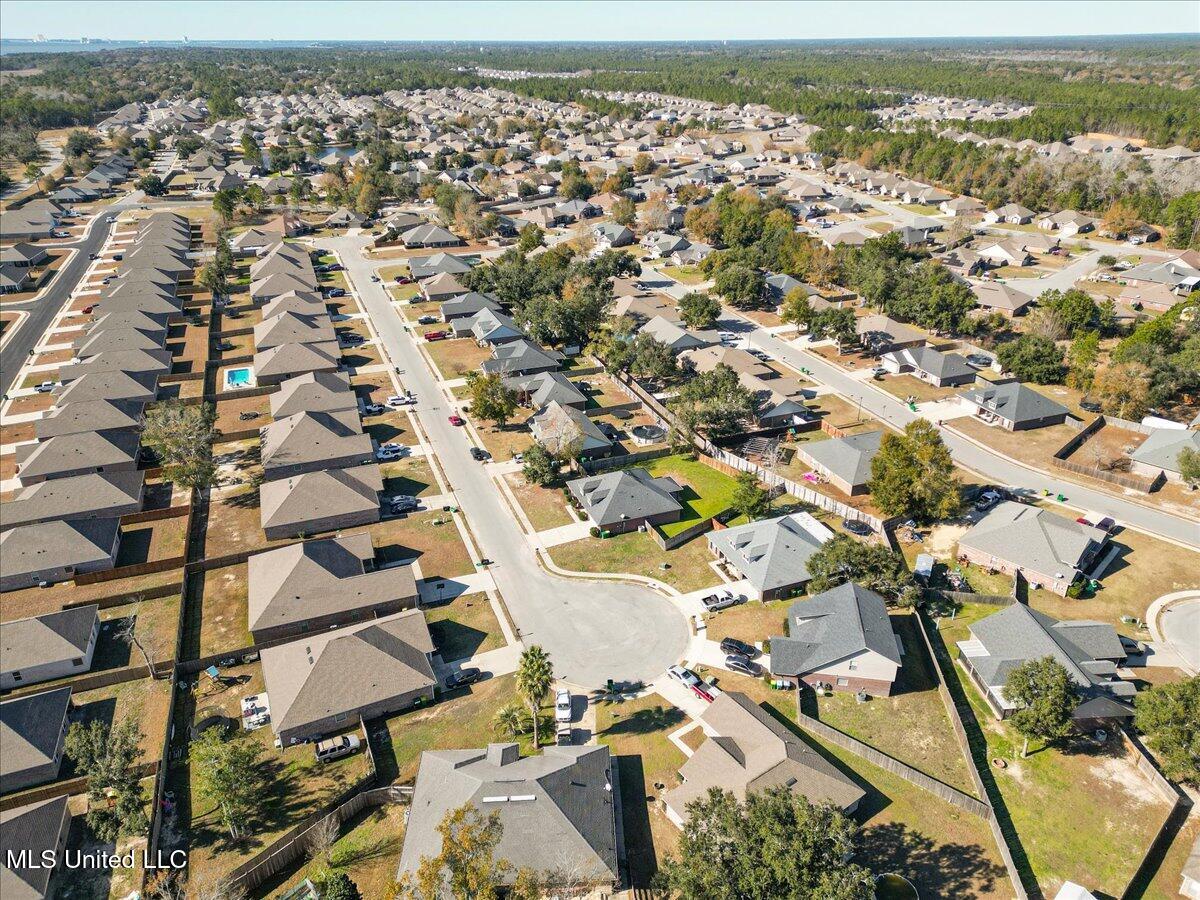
x=508, y=20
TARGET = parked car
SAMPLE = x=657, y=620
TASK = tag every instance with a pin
x=720, y=600
x=738, y=663
x=118, y=256
x=685, y=675
x=427, y=319
x=732, y=645
x=45, y=387
x=389, y=451
x=402, y=503
x=336, y=292
x=374, y=409
x=111, y=220
x=403, y=279
x=562, y=705
x=703, y=691
x=335, y=267
x=1130, y=646
x=93, y=256
x=321, y=270
x=479, y=454
x=375, y=278
x=463, y=677
x=457, y=420
x=856, y=527
x=337, y=747
x=987, y=500
x=87, y=309
x=436, y=335
x=352, y=338
x=397, y=400
x=61, y=234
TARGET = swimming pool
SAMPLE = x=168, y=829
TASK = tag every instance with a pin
x=238, y=378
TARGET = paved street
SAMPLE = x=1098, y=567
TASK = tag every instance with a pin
x=43, y=310
x=592, y=630
x=1180, y=625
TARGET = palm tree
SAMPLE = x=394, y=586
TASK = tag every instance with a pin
x=509, y=720
x=535, y=674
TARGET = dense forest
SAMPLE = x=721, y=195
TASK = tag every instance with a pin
x=1136, y=87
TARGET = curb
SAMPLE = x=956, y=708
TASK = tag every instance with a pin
x=544, y=560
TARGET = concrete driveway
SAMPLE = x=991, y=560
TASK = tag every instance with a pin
x=592, y=630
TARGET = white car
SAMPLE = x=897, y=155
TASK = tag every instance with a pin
x=687, y=676
x=397, y=400
x=45, y=387
x=389, y=451
x=562, y=705
x=337, y=747
x=720, y=600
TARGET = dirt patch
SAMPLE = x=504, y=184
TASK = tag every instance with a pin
x=1119, y=773
x=943, y=539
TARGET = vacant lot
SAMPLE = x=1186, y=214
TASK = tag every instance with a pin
x=455, y=358
x=430, y=538
x=636, y=734
x=545, y=507
x=464, y=627
x=410, y=476
x=905, y=386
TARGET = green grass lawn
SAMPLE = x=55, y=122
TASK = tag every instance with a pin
x=464, y=627
x=706, y=491
x=1066, y=805
x=912, y=724
x=637, y=553
x=544, y=507
x=750, y=622
x=689, y=275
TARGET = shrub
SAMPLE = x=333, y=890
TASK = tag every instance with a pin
x=594, y=531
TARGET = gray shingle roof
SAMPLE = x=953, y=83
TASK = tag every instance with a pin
x=1032, y=538
x=29, y=729
x=1162, y=448
x=54, y=637
x=848, y=458
x=838, y=623
x=626, y=494
x=1015, y=402
x=772, y=553
x=35, y=828
x=556, y=809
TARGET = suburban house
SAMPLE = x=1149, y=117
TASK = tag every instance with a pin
x=1160, y=452
x=1009, y=214
x=57, y=551
x=77, y=454
x=1014, y=407
x=49, y=646
x=844, y=462
x=993, y=297
x=327, y=392
x=313, y=441
x=33, y=730
x=442, y=287
x=842, y=638
x=771, y=554
x=627, y=499
x=748, y=751
x=521, y=357
x=321, y=584
x=557, y=809
x=328, y=681
x=937, y=368
x=611, y=234
x=289, y=360
x=38, y=828
x=1067, y=223
x=97, y=495
x=430, y=236
x=1089, y=651
x=676, y=336
x=1161, y=284
x=468, y=305
x=560, y=428
x=1004, y=252
x=320, y=501
x=881, y=334
x=544, y=388
x=1049, y=550
x=422, y=267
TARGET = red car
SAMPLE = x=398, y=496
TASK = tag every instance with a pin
x=457, y=420
x=88, y=309
x=435, y=335
x=403, y=279
x=701, y=690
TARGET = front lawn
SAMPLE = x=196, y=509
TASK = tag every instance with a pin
x=411, y=475
x=689, y=275
x=637, y=553
x=752, y=622
x=456, y=357
x=706, y=491
x=464, y=627
x=905, y=386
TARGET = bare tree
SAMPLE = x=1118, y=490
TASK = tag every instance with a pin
x=127, y=633
x=321, y=838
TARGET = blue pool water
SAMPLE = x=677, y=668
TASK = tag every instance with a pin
x=236, y=378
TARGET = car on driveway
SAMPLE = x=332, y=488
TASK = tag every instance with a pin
x=45, y=387
x=427, y=320
x=403, y=279
x=337, y=747
x=402, y=503
x=732, y=645
x=456, y=420
x=389, y=451
x=738, y=663
x=720, y=600
x=683, y=674
x=703, y=691
x=987, y=500
x=436, y=335
x=336, y=292
x=562, y=705
x=374, y=409
x=463, y=677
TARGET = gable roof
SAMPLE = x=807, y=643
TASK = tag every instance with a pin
x=772, y=553
x=34, y=828
x=1162, y=448
x=316, y=496
x=557, y=427
x=625, y=494
x=752, y=752
x=562, y=796
x=87, y=496
x=933, y=362
x=54, y=637
x=313, y=392
x=843, y=621
x=848, y=458
x=1032, y=538
x=314, y=579
x=342, y=671
x=30, y=728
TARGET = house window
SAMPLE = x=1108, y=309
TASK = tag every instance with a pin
x=340, y=717
x=78, y=661
x=16, y=676
x=843, y=682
